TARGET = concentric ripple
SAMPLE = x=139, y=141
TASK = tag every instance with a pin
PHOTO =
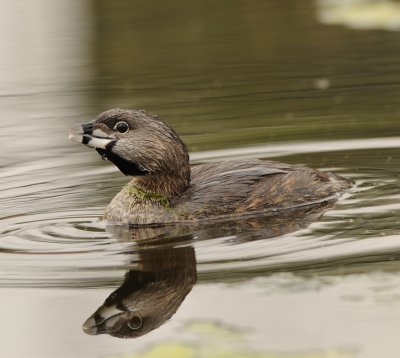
x=51, y=236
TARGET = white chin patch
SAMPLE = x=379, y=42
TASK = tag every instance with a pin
x=100, y=143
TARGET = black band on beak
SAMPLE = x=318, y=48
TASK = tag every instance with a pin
x=87, y=128
x=86, y=139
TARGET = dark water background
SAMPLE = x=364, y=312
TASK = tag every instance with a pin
x=309, y=82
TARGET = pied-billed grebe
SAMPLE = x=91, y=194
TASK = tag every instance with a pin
x=165, y=190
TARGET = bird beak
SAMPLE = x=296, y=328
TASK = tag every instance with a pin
x=94, y=138
x=103, y=320
x=76, y=134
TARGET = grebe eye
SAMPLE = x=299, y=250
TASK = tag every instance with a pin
x=135, y=322
x=122, y=127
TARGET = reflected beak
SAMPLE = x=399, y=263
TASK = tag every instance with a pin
x=103, y=320
x=94, y=138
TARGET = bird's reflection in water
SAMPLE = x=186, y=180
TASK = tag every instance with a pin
x=149, y=295
x=166, y=269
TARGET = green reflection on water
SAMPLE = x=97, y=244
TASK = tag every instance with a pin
x=233, y=73
x=218, y=341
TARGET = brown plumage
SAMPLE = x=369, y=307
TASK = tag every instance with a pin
x=165, y=190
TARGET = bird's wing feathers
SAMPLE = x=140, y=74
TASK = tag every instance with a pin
x=239, y=186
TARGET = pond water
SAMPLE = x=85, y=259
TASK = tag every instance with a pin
x=307, y=82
